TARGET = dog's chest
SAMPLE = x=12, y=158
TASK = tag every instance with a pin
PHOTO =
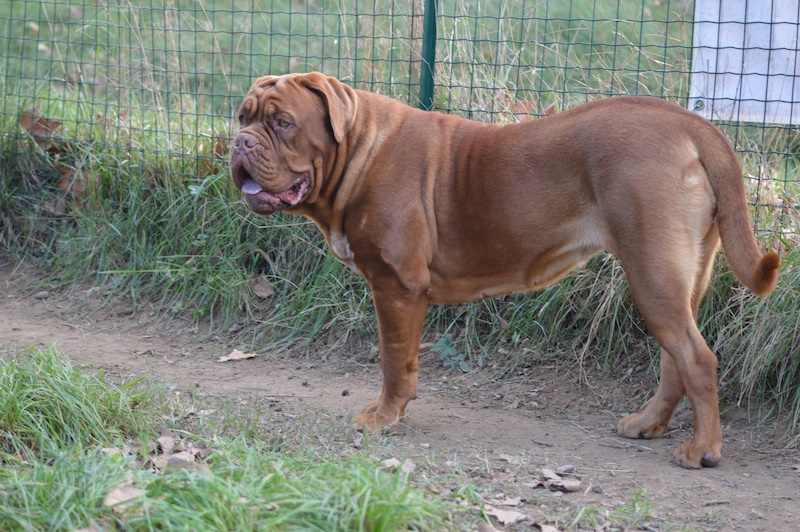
x=341, y=250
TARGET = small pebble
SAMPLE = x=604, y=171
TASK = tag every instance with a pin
x=44, y=294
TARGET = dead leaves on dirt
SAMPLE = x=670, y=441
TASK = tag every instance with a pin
x=173, y=452
x=169, y=451
x=506, y=510
x=509, y=509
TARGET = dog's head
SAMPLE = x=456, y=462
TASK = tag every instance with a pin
x=289, y=126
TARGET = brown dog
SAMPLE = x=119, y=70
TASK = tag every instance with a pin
x=434, y=209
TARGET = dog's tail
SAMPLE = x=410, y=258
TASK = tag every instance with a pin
x=757, y=271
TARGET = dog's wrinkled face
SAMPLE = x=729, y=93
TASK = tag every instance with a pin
x=287, y=129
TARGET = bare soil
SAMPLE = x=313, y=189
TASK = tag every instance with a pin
x=501, y=433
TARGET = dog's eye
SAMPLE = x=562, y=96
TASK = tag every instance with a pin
x=280, y=122
x=241, y=117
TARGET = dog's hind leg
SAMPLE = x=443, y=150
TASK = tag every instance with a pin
x=668, y=295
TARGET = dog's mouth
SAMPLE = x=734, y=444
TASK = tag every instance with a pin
x=257, y=196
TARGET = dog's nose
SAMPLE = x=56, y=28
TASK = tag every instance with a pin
x=244, y=142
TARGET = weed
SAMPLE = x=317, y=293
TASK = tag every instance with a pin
x=445, y=347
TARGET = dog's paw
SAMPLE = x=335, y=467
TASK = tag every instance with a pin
x=372, y=420
x=693, y=456
x=640, y=426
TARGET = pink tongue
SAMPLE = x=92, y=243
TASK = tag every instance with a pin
x=251, y=187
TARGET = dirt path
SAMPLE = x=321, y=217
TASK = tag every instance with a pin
x=501, y=434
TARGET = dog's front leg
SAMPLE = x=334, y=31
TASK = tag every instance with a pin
x=401, y=314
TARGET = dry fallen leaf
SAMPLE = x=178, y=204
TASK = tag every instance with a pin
x=121, y=497
x=511, y=501
x=408, y=467
x=507, y=501
x=261, y=287
x=390, y=464
x=236, y=355
x=57, y=206
x=201, y=453
x=565, y=469
x=156, y=462
x=221, y=146
x=549, y=474
x=393, y=464
x=180, y=460
x=113, y=451
x=506, y=517
x=167, y=440
x=564, y=485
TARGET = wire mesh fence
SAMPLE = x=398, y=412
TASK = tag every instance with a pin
x=153, y=85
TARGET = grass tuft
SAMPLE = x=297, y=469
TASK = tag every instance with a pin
x=253, y=489
x=46, y=406
x=63, y=493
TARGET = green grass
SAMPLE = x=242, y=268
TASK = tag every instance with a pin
x=253, y=489
x=65, y=493
x=46, y=406
x=55, y=422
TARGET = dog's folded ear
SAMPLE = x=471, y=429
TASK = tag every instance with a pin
x=341, y=100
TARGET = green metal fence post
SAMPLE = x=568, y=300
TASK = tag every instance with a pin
x=428, y=55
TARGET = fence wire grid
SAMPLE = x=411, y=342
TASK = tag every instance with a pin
x=140, y=81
